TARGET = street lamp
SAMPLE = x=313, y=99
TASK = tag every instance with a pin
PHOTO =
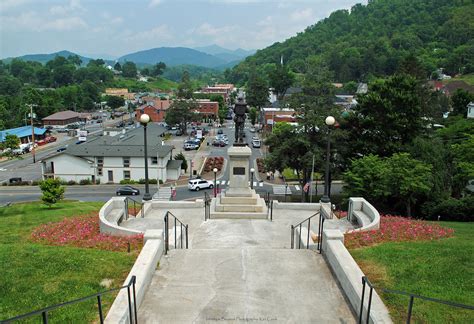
x=325, y=198
x=144, y=120
x=215, y=182
x=252, y=170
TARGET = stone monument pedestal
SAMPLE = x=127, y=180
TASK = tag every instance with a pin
x=239, y=201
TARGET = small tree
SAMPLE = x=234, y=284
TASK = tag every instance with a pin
x=11, y=142
x=52, y=191
x=180, y=156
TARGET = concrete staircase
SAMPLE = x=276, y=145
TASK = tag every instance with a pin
x=238, y=204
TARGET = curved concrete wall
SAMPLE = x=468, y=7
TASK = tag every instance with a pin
x=109, y=216
x=303, y=206
x=360, y=204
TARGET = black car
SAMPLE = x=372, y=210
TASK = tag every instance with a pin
x=127, y=190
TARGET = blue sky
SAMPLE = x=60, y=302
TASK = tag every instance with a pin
x=117, y=27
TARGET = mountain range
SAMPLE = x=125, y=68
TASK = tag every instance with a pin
x=212, y=56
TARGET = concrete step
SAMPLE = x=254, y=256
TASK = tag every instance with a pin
x=238, y=200
x=268, y=285
x=238, y=215
x=240, y=208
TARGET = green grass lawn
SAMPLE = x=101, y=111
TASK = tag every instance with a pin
x=442, y=269
x=36, y=276
x=468, y=78
x=153, y=84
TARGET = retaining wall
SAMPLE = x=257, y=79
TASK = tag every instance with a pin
x=108, y=220
x=350, y=276
x=143, y=269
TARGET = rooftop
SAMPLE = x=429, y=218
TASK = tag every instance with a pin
x=61, y=115
x=22, y=131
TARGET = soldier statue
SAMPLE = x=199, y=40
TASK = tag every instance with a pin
x=240, y=108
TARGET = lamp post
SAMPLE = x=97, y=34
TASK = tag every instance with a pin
x=330, y=120
x=252, y=170
x=144, y=120
x=215, y=182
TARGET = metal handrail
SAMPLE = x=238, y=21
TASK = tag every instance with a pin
x=207, y=206
x=135, y=203
x=166, y=234
x=300, y=224
x=44, y=311
x=366, y=280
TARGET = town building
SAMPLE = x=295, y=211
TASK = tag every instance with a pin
x=271, y=115
x=63, y=118
x=208, y=108
x=155, y=107
x=120, y=92
x=110, y=159
x=224, y=90
x=24, y=133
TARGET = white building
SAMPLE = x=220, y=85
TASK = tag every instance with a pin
x=470, y=110
x=111, y=159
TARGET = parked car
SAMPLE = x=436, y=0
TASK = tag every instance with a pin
x=179, y=132
x=256, y=143
x=127, y=190
x=252, y=129
x=219, y=131
x=198, y=184
x=190, y=146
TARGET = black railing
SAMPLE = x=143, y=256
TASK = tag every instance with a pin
x=270, y=209
x=182, y=226
x=300, y=225
x=207, y=206
x=132, y=202
x=132, y=305
x=365, y=281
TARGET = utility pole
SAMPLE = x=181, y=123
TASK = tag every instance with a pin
x=32, y=131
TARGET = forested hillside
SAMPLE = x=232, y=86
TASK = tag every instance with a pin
x=372, y=40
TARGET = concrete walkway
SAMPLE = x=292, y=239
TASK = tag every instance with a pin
x=244, y=285
x=241, y=271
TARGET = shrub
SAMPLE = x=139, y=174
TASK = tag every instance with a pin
x=35, y=183
x=454, y=209
x=152, y=181
x=129, y=181
x=71, y=183
x=85, y=182
x=52, y=190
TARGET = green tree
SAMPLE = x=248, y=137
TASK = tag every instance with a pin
x=115, y=102
x=257, y=91
x=129, y=70
x=117, y=66
x=253, y=115
x=463, y=160
x=388, y=117
x=180, y=156
x=52, y=191
x=181, y=112
x=185, y=88
x=280, y=79
x=11, y=142
x=408, y=179
x=98, y=62
x=366, y=178
x=459, y=101
x=158, y=69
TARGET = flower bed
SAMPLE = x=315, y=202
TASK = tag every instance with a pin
x=214, y=162
x=397, y=229
x=84, y=232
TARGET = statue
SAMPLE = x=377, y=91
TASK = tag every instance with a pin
x=240, y=108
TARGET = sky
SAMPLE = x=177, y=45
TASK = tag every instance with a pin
x=117, y=27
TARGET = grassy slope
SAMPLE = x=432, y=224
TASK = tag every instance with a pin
x=158, y=83
x=441, y=269
x=35, y=276
x=468, y=78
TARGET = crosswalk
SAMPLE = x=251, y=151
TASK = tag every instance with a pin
x=277, y=189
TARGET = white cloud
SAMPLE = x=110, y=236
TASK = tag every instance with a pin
x=157, y=33
x=74, y=5
x=154, y=3
x=207, y=29
x=32, y=22
x=8, y=4
x=302, y=15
